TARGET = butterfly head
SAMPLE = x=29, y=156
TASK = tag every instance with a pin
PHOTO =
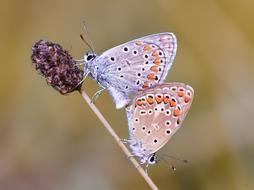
x=153, y=159
x=89, y=58
x=145, y=155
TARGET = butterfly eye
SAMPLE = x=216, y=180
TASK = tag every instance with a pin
x=89, y=56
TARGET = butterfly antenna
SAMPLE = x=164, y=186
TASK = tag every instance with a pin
x=83, y=39
x=174, y=158
x=89, y=43
x=167, y=163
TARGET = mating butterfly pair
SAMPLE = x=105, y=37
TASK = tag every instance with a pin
x=133, y=74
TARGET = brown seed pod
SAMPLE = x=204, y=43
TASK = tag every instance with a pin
x=57, y=66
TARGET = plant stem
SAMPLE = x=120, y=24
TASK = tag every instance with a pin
x=118, y=140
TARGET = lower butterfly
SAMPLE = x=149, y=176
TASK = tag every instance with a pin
x=154, y=116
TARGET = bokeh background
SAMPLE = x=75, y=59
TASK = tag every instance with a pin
x=54, y=142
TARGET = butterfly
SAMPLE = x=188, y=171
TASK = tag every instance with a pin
x=132, y=66
x=154, y=116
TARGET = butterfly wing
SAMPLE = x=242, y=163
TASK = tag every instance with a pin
x=157, y=113
x=136, y=65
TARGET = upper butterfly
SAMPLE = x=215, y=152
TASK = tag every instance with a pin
x=154, y=116
x=133, y=66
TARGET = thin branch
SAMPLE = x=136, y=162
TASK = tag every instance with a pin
x=118, y=140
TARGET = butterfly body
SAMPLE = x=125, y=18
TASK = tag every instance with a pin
x=132, y=66
x=154, y=117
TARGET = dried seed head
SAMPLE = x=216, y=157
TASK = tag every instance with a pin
x=57, y=66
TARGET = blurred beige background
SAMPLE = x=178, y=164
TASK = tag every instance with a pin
x=54, y=142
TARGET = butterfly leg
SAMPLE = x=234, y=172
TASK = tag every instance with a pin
x=79, y=60
x=79, y=64
x=146, y=170
x=125, y=141
x=78, y=85
x=84, y=78
x=97, y=94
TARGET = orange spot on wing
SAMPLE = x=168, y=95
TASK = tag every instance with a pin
x=187, y=99
x=147, y=47
x=180, y=93
x=150, y=100
x=143, y=101
x=166, y=99
x=157, y=61
x=177, y=112
x=158, y=98
x=155, y=53
x=139, y=43
x=151, y=76
x=154, y=68
x=139, y=102
x=172, y=103
x=145, y=85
